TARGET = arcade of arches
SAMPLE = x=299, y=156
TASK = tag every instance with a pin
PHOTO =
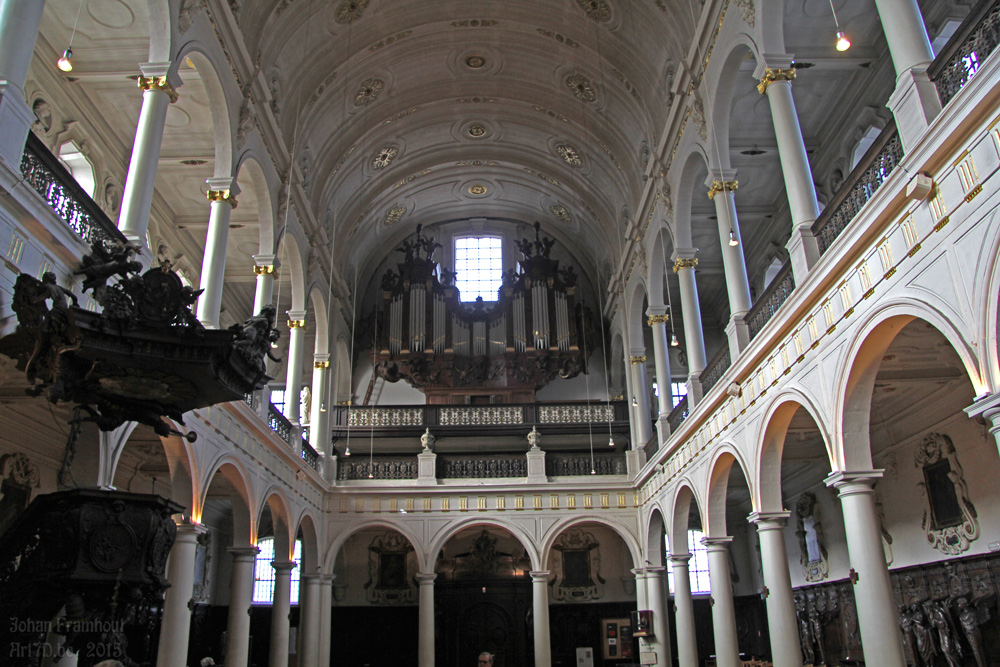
x=730, y=393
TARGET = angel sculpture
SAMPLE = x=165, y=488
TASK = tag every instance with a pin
x=52, y=329
x=102, y=263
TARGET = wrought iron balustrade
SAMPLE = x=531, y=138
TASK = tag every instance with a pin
x=379, y=467
x=967, y=50
x=481, y=466
x=769, y=302
x=714, y=369
x=310, y=456
x=569, y=465
x=867, y=177
x=678, y=415
x=49, y=178
x=279, y=424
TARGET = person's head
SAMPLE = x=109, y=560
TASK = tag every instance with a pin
x=485, y=659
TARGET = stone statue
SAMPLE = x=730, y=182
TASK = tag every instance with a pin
x=922, y=636
x=941, y=621
x=805, y=632
x=427, y=440
x=906, y=627
x=969, y=620
x=534, y=438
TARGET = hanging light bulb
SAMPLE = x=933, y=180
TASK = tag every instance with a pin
x=611, y=441
x=593, y=472
x=64, y=63
x=673, y=340
x=732, y=238
x=842, y=42
x=371, y=476
x=635, y=402
x=347, y=452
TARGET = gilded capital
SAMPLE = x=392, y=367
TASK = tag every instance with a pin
x=222, y=195
x=658, y=319
x=264, y=270
x=617, y=397
x=321, y=364
x=683, y=263
x=637, y=359
x=296, y=324
x=722, y=186
x=159, y=83
x=772, y=74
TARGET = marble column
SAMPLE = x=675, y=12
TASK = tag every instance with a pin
x=877, y=613
x=308, y=620
x=175, y=625
x=319, y=419
x=540, y=614
x=987, y=408
x=694, y=336
x=137, y=196
x=265, y=270
x=325, y=617
x=293, y=374
x=727, y=651
x=19, y=22
x=657, y=322
x=240, y=596
x=425, y=632
x=280, y=605
x=222, y=197
x=687, y=641
x=781, y=621
x=722, y=185
x=640, y=394
x=656, y=601
x=640, y=588
x=776, y=83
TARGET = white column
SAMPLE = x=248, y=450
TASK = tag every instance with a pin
x=319, y=419
x=776, y=84
x=240, y=596
x=656, y=602
x=540, y=614
x=781, y=621
x=293, y=373
x=137, y=195
x=727, y=651
x=988, y=408
x=657, y=321
x=640, y=394
x=280, y=605
x=425, y=632
x=176, y=623
x=265, y=270
x=640, y=588
x=308, y=620
x=722, y=185
x=877, y=613
x=687, y=640
x=325, y=617
x=222, y=195
x=19, y=21
x=694, y=337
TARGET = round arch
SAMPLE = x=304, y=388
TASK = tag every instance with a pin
x=218, y=104
x=441, y=538
x=244, y=519
x=718, y=484
x=330, y=557
x=555, y=530
x=679, y=516
x=275, y=500
x=308, y=527
x=250, y=165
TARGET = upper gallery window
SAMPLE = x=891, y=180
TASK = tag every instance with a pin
x=479, y=265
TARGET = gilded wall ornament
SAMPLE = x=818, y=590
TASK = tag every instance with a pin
x=749, y=12
x=476, y=130
x=475, y=62
x=368, y=92
x=394, y=215
x=581, y=88
x=477, y=189
x=596, y=10
x=950, y=520
x=569, y=155
x=474, y=23
x=562, y=215
x=384, y=157
x=350, y=11
x=698, y=117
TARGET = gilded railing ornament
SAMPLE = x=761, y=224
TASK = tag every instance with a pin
x=685, y=263
x=637, y=359
x=722, y=186
x=772, y=74
x=658, y=319
x=222, y=195
x=159, y=83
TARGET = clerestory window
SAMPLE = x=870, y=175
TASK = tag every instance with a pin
x=479, y=265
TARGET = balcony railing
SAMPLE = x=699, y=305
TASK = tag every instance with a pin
x=310, y=456
x=64, y=195
x=714, y=369
x=481, y=466
x=769, y=302
x=678, y=415
x=860, y=186
x=379, y=467
x=279, y=424
x=572, y=464
x=967, y=50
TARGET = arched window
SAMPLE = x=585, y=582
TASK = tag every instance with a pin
x=78, y=166
x=263, y=573
x=479, y=265
x=697, y=566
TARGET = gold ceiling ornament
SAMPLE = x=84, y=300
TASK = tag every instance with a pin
x=264, y=270
x=772, y=74
x=474, y=23
x=384, y=157
x=350, y=11
x=477, y=189
x=597, y=10
x=368, y=92
x=569, y=154
x=580, y=85
x=475, y=62
x=685, y=263
x=658, y=319
x=159, y=83
x=561, y=213
x=722, y=186
x=476, y=130
x=394, y=215
x=562, y=39
x=637, y=359
x=296, y=324
x=222, y=195
x=319, y=365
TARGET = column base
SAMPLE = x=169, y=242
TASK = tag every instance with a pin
x=536, y=466
x=695, y=393
x=803, y=250
x=914, y=103
x=427, y=468
x=635, y=459
x=16, y=118
x=738, y=334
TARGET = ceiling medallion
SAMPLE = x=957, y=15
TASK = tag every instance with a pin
x=368, y=92
x=192, y=163
x=598, y=10
x=394, y=215
x=580, y=85
x=349, y=11
x=384, y=157
x=477, y=131
x=562, y=215
x=569, y=154
x=475, y=62
x=477, y=189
